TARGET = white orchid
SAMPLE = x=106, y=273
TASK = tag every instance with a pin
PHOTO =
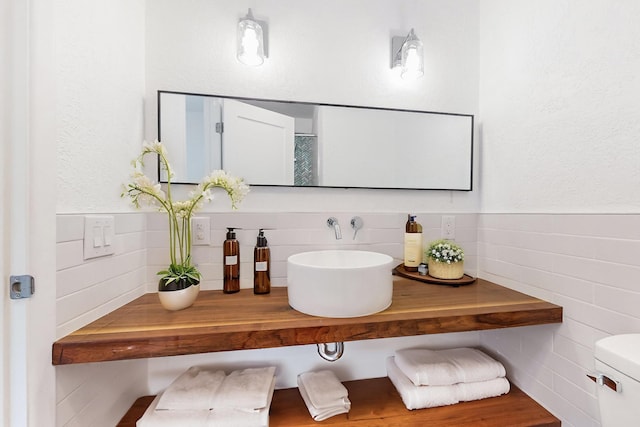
x=143, y=191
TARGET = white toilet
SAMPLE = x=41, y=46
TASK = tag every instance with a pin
x=618, y=378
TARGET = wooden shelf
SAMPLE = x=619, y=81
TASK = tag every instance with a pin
x=376, y=403
x=221, y=322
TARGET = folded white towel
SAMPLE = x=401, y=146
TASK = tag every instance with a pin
x=324, y=394
x=418, y=397
x=415, y=397
x=446, y=367
x=323, y=388
x=482, y=389
x=173, y=418
x=249, y=389
x=232, y=417
x=193, y=390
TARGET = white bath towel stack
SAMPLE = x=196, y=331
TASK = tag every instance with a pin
x=324, y=394
x=207, y=398
x=428, y=378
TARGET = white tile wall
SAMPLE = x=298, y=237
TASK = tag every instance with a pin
x=98, y=394
x=589, y=265
x=585, y=263
x=297, y=232
x=86, y=290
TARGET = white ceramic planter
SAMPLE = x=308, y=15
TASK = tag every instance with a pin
x=179, y=299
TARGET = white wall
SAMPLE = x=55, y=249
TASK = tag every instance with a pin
x=100, y=48
x=100, y=90
x=332, y=52
x=559, y=118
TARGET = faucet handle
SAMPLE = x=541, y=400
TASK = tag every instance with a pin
x=356, y=224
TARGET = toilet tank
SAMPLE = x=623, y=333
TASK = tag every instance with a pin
x=617, y=359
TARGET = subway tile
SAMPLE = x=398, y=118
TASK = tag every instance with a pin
x=130, y=223
x=571, y=350
x=610, y=226
x=573, y=372
x=580, y=333
x=88, y=274
x=618, y=251
x=69, y=227
x=526, y=258
x=99, y=295
x=600, y=318
x=577, y=246
x=576, y=396
x=69, y=254
x=618, y=300
x=129, y=242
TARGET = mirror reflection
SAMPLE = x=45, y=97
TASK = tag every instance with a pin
x=282, y=143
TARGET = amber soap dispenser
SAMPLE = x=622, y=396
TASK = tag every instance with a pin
x=231, y=261
x=261, y=265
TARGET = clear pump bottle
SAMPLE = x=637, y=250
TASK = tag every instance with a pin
x=261, y=265
x=231, y=261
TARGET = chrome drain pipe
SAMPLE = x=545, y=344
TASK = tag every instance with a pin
x=328, y=354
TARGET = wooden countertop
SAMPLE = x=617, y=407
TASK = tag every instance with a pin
x=221, y=322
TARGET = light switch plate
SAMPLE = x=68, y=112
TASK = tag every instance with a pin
x=99, y=233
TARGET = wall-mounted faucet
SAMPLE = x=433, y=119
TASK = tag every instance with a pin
x=356, y=224
x=332, y=222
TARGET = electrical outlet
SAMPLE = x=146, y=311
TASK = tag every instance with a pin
x=448, y=227
x=200, y=231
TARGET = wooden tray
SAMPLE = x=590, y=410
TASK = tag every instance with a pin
x=414, y=275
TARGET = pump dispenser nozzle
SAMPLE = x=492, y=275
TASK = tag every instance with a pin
x=231, y=232
x=261, y=240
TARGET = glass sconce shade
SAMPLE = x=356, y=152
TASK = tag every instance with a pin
x=250, y=41
x=408, y=56
x=412, y=55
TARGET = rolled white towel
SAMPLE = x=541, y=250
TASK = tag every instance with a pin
x=323, y=394
x=174, y=418
x=249, y=389
x=419, y=397
x=194, y=389
x=447, y=367
x=482, y=389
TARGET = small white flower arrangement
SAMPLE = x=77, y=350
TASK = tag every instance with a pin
x=445, y=252
x=143, y=191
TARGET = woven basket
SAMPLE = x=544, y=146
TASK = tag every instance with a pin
x=442, y=270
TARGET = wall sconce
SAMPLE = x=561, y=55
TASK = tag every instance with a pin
x=407, y=54
x=250, y=41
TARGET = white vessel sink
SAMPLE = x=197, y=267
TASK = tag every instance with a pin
x=339, y=283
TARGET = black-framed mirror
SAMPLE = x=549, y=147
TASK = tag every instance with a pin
x=286, y=143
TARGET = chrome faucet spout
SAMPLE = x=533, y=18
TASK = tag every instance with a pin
x=332, y=222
